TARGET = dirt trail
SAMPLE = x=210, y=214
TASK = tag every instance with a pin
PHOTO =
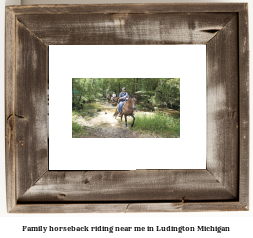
x=116, y=133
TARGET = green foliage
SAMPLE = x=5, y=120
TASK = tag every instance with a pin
x=149, y=90
x=161, y=124
x=86, y=89
x=145, y=92
x=140, y=107
x=78, y=130
x=75, y=114
x=168, y=90
x=90, y=107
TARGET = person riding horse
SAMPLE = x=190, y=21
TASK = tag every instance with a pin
x=113, y=96
x=108, y=97
x=123, y=96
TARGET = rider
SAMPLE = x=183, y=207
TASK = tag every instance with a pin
x=113, y=96
x=123, y=96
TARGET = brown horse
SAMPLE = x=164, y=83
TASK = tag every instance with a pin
x=116, y=99
x=127, y=109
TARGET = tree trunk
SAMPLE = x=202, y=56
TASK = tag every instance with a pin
x=119, y=87
x=133, y=87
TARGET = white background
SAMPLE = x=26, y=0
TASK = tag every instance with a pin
x=240, y=222
x=187, y=62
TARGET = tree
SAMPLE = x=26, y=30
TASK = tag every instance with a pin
x=154, y=90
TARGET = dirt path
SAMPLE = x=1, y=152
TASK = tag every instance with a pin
x=102, y=124
x=115, y=133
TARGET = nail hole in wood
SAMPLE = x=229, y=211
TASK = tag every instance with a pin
x=86, y=181
x=61, y=195
x=183, y=199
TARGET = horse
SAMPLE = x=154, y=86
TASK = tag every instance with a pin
x=108, y=97
x=127, y=109
x=116, y=99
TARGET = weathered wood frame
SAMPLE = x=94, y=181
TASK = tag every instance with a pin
x=223, y=186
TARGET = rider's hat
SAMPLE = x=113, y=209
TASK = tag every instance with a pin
x=123, y=88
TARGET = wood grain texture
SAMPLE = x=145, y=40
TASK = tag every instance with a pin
x=139, y=185
x=223, y=186
x=222, y=107
x=186, y=207
x=129, y=207
x=129, y=8
x=30, y=108
x=244, y=106
x=9, y=108
x=120, y=29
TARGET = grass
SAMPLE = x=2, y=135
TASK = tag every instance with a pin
x=78, y=130
x=75, y=114
x=87, y=112
x=161, y=124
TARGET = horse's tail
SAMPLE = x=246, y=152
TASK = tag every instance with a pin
x=115, y=115
x=116, y=112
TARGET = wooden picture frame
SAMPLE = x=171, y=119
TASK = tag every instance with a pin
x=222, y=186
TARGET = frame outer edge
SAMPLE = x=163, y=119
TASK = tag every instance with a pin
x=244, y=106
x=146, y=8
x=10, y=60
x=129, y=207
x=10, y=70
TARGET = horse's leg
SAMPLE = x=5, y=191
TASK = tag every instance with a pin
x=126, y=120
x=133, y=121
x=121, y=118
x=116, y=111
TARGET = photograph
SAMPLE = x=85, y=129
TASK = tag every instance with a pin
x=125, y=107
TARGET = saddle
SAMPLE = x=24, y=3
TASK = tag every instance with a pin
x=124, y=103
x=128, y=111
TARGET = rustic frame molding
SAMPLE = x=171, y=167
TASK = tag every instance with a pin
x=223, y=186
